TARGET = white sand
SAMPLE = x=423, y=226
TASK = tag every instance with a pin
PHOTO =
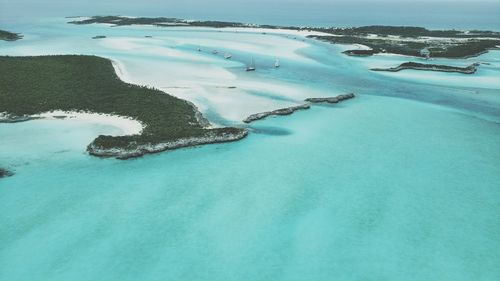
x=127, y=125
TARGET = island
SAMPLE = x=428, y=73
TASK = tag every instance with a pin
x=74, y=83
x=9, y=36
x=336, y=99
x=282, y=111
x=402, y=40
x=471, y=69
x=5, y=173
x=292, y=109
x=412, y=41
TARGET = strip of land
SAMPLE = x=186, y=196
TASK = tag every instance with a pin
x=292, y=109
x=471, y=69
x=30, y=86
x=9, y=36
x=336, y=99
x=403, y=40
x=281, y=111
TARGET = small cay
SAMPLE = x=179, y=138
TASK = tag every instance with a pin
x=282, y=111
x=5, y=173
x=471, y=69
x=290, y=110
x=336, y=99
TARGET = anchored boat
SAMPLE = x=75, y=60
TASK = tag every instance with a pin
x=251, y=67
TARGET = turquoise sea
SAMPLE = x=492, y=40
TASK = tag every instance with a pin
x=400, y=183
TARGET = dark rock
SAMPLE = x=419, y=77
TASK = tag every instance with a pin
x=282, y=111
x=5, y=173
x=336, y=99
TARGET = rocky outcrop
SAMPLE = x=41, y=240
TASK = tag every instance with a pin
x=5, y=173
x=8, y=118
x=471, y=69
x=140, y=150
x=290, y=110
x=336, y=99
x=282, y=111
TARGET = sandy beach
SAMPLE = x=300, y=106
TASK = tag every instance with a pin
x=127, y=125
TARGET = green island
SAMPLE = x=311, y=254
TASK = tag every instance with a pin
x=9, y=36
x=471, y=69
x=32, y=85
x=403, y=40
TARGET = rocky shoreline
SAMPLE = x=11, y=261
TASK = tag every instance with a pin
x=471, y=69
x=282, y=111
x=5, y=173
x=141, y=150
x=8, y=118
x=336, y=99
x=292, y=109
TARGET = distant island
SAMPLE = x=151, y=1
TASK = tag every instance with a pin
x=33, y=85
x=471, y=69
x=401, y=40
x=5, y=173
x=9, y=36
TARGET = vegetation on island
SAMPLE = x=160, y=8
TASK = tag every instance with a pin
x=440, y=48
x=471, y=69
x=403, y=40
x=32, y=85
x=159, y=21
x=9, y=36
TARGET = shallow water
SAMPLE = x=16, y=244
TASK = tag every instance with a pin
x=400, y=183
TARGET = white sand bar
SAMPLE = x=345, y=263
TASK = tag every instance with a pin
x=127, y=125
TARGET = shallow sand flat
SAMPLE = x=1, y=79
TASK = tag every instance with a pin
x=127, y=126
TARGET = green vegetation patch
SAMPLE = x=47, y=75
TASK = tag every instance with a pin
x=471, y=69
x=440, y=49
x=31, y=85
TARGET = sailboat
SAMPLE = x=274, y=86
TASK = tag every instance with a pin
x=251, y=67
x=277, y=63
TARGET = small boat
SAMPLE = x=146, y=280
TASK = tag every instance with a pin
x=227, y=56
x=215, y=52
x=251, y=67
x=199, y=49
x=277, y=63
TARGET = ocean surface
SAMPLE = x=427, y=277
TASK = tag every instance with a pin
x=400, y=183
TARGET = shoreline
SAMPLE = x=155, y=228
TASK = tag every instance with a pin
x=127, y=125
x=142, y=150
x=471, y=69
x=293, y=109
x=405, y=40
x=151, y=120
